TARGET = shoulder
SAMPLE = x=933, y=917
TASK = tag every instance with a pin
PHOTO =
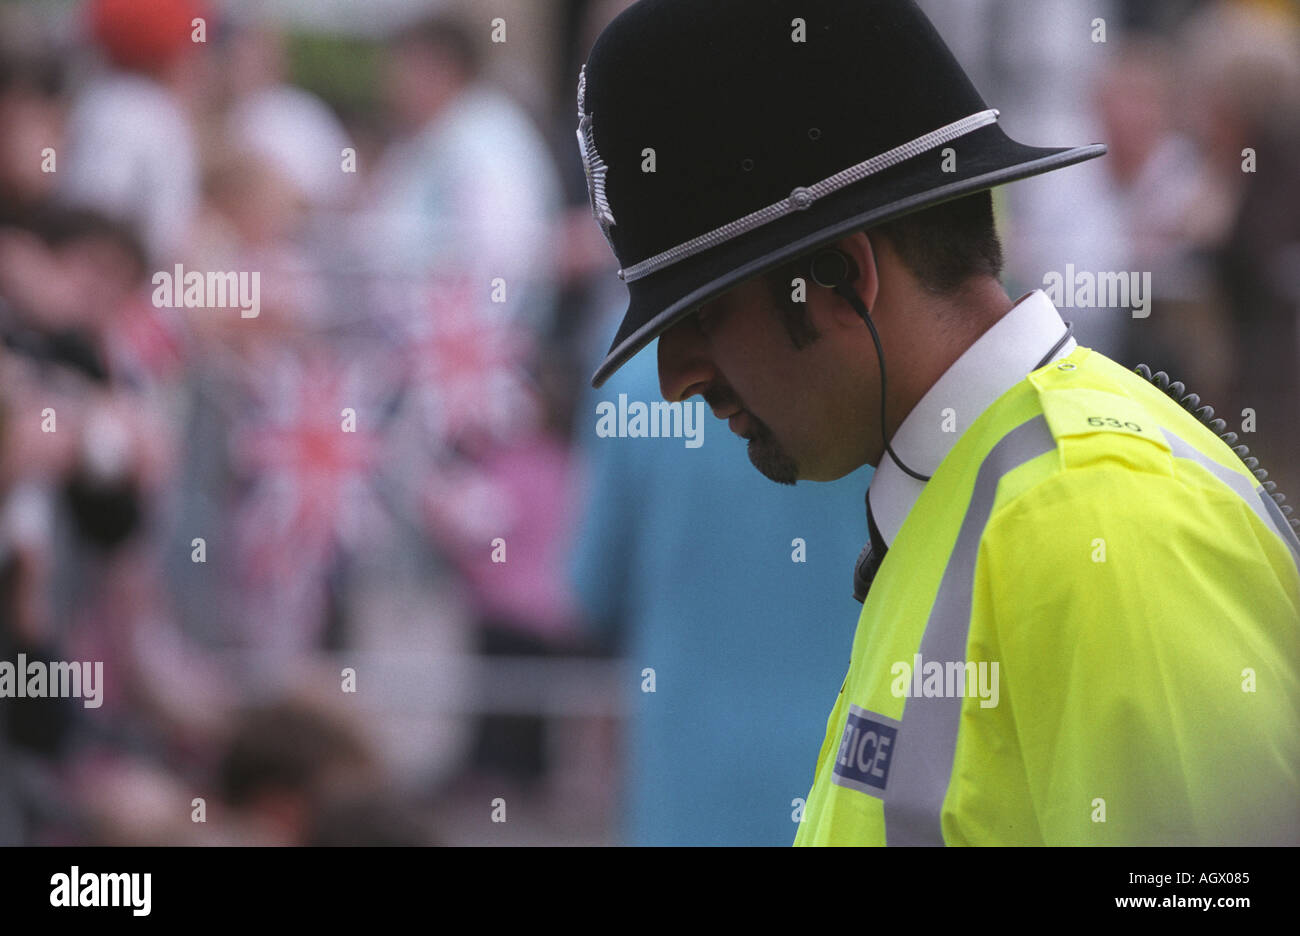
x=1095, y=458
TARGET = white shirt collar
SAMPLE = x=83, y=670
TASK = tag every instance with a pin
x=997, y=361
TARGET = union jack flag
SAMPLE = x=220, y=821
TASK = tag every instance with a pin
x=466, y=358
x=308, y=452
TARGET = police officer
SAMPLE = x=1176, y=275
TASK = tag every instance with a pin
x=1080, y=613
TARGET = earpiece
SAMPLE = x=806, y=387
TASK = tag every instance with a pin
x=833, y=268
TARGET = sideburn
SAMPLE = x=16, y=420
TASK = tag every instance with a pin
x=794, y=315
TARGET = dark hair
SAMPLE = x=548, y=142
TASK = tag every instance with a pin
x=443, y=35
x=61, y=227
x=41, y=73
x=286, y=746
x=376, y=818
x=944, y=247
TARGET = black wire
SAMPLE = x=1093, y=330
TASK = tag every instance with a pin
x=1069, y=330
x=846, y=291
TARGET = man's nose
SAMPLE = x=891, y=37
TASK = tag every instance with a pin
x=685, y=367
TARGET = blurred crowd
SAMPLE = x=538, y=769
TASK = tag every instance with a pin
x=388, y=471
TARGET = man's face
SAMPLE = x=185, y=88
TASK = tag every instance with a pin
x=797, y=407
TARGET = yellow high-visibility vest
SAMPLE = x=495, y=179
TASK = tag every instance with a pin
x=1086, y=632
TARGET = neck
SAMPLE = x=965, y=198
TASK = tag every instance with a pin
x=956, y=322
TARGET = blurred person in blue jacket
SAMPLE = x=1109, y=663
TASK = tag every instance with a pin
x=735, y=592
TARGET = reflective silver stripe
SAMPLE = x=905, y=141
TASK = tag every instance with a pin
x=802, y=198
x=1280, y=521
x=927, y=742
x=1253, y=494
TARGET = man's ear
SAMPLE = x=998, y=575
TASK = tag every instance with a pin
x=858, y=246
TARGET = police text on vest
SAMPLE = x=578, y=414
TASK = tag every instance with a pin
x=866, y=752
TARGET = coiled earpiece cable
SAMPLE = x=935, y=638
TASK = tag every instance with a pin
x=1192, y=403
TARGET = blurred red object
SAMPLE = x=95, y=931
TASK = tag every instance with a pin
x=143, y=34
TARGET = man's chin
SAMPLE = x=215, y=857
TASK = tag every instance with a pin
x=772, y=462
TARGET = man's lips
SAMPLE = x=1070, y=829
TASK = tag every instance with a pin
x=737, y=422
x=736, y=417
